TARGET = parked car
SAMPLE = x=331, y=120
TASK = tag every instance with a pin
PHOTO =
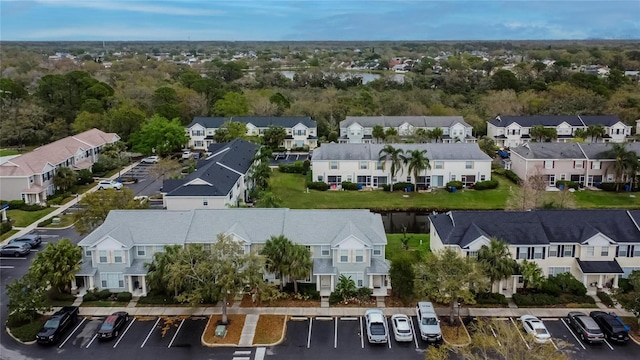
x=428, y=322
x=187, y=154
x=377, y=331
x=16, y=249
x=112, y=325
x=34, y=240
x=612, y=328
x=109, y=184
x=53, y=329
x=402, y=328
x=586, y=328
x=150, y=160
x=535, y=327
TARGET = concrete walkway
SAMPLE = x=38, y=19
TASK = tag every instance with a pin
x=249, y=330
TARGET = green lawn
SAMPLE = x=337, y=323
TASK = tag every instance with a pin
x=25, y=218
x=607, y=200
x=394, y=244
x=7, y=235
x=8, y=152
x=290, y=188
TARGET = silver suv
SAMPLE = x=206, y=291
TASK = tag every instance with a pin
x=377, y=329
x=428, y=322
x=109, y=184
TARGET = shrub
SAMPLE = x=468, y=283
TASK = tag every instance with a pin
x=124, y=296
x=103, y=294
x=90, y=296
x=61, y=296
x=5, y=227
x=44, y=223
x=491, y=298
x=25, y=331
x=528, y=300
x=157, y=299
x=485, y=185
x=55, y=200
x=364, y=293
x=318, y=185
x=402, y=186
x=334, y=298
x=347, y=185
x=568, y=184
x=607, y=186
x=499, y=170
x=295, y=168
x=16, y=204
x=566, y=284
x=512, y=176
x=306, y=165
x=456, y=184
x=605, y=298
x=21, y=205
x=84, y=177
x=624, y=285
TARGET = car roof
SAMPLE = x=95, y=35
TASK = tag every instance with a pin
x=28, y=236
x=18, y=244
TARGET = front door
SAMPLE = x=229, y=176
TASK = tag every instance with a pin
x=325, y=281
x=377, y=281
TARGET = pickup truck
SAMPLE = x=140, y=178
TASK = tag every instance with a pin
x=57, y=324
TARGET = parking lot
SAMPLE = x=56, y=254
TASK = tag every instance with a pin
x=146, y=184
x=288, y=158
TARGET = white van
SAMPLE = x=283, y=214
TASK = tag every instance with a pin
x=428, y=322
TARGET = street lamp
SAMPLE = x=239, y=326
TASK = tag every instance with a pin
x=458, y=327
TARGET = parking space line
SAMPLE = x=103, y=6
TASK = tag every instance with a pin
x=176, y=334
x=388, y=332
x=124, y=332
x=520, y=333
x=495, y=335
x=92, y=340
x=7, y=267
x=70, y=335
x=415, y=335
x=574, y=335
x=606, y=342
x=309, y=336
x=150, y=332
x=335, y=339
x=361, y=333
x=554, y=344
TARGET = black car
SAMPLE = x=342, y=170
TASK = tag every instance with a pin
x=585, y=327
x=34, y=240
x=612, y=328
x=53, y=329
x=112, y=325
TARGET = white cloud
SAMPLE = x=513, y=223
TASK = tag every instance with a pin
x=133, y=6
x=117, y=32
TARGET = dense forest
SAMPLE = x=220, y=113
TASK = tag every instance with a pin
x=120, y=87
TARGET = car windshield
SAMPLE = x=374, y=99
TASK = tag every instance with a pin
x=541, y=332
x=52, y=324
x=429, y=321
x=106, y=327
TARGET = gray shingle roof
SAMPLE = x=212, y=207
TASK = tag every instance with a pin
x=378, y=267
x=554, y=120
x=600, y=267
x=435, y=151
x=137, y=268
x=537, y=227
x=256, y=226
x=555, y=150
x=395, y=121
x=323, y=267
x=258, y=121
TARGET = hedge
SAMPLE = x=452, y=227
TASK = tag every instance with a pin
x=512, y=176
x=318, y=185
x=456, y=184
x=397, y=186
x=295, y=168
x=491, y=299
x=608, y=186
x=605, y=298
x=5, y=227
x=47, y=222
x=124, y=296
x=568, y=184
x=21, y=205
x=348, y=185
x=486, y=185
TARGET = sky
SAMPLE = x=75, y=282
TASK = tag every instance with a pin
x=306, y=20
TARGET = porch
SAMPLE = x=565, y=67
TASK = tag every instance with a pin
x=599, y=275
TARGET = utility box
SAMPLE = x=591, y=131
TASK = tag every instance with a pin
x=221, y=331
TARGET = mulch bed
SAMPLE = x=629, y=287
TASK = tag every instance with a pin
x=453, y=335
x=269, y=329
x=234, y=330
x=287, y=303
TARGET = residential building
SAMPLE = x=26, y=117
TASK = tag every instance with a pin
x=510, y=131
x=359, y=129
x=596, y=246
x=220, y=180
x=29, y=177
x=588, y=164
x=302, y=131
x=342, y=242
x=360, y=163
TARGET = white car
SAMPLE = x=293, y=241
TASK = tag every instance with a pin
x=534, y=327
x=402, y=329
x=377, y=330
x=150, y=160
x=109, y=184
x=187, y=154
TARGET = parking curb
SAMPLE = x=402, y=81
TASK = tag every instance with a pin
x=18, y=340
x=281, y=340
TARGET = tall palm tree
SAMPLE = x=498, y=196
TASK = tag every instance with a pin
x=389, y=153
x=624, y=161
x=57, y=264
x=496, y=261
x=596, y=132
x=580, y=134
x=158, y=268
x=436, y=134
x=417, y=162
x=300, y=264
x=277, y=250
x=531, y=274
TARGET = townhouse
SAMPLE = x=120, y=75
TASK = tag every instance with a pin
x=588, y=164
x=598, y=247
x=510, y=131
x=359, y=129
x=220, y=180
x=302, y=131
x=360, y=163
x=342, y=242
x=29, y=177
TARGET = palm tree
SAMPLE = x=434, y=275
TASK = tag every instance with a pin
x=267, y=199
x=64, y=178
x=417, y=162
x=158, y=268
x=580, y=134
x=277, y=250
x=596, y=132
x=436, y=134
x=378, y=133
x=531, y=274
x=394, y=155
x=421, y=135
x=625, y=162
x=57, y=264
x=300, y=264
x=496, y=261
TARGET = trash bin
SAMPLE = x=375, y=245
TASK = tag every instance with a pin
x=359, y=186
x=408, y=188
x=453, y=189
x=627, y=188
x=561, y=187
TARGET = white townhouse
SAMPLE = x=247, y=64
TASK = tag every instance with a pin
x=29, y=176
x=359, y=129
x=598, y=247
x=510, y=131
x=302, y=131
x=360, y=163
x=342, y=242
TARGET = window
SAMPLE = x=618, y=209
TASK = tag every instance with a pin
x=595, y=165
x=142, y=251
x=468, y=165
x=568, y=251
x=87, y=252
x=380, y=165
x=359, y=255
x=453, y=177
x=604, y=251
x=555, y=270
x=408, y=179
x=472, y=254
x=622, y=250
x=577, y=164
x=344, y=256
x=538, y=252
x=377, y=250
x=563, y=177
x=325, y=250
x=102, y=256
x=590, y=251
x=320, y=178
x=439, y=165
x=548, y=164
x=111, y=280
x=333, y=165
x=207, y=247
x=636, y=251
x=205, y=202
x=483, y=177
x=523, y=252
x=363, y=165
x=117, y=257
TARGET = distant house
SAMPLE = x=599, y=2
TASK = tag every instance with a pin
x=220, y=180
x=359, y=163
x=509, y=131
x=29, y=177
x=302, y=132
x=598, y=247
x=359, y=129
x=342, y=242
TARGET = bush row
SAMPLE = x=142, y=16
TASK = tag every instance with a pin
x=44, y=223
x=360, y=295
x=454, y=184
x=541, y=299
x=5, y=226
x=512, y=176
x=568, y=184
x=491, y=299
x=347, y=185
x=397, y=186
x=298, y=167
x=318, y=185
x=486, y=185
x=605, y=298
x=105, y=294
x=21, y=205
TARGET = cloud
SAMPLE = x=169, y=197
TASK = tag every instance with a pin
x=116, y=32
x=134, y=6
